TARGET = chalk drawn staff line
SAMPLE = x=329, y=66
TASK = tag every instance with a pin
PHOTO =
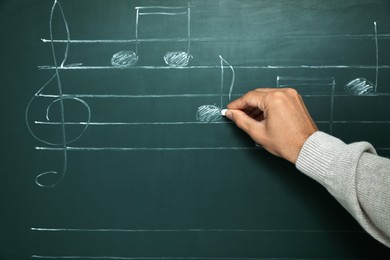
x=221, y=39
x=162, y=13
x=368, y=67
x=132, y=96
x=192, y=123
x=103, y=96
x=124, y=41
x=174, y=9
x=154, y=258
x=191, y=230
x=159, y=258
x=131, y=123
x=164, y=149
x=89, y=149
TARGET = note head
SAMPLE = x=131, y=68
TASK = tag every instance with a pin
x=124, y=58
x=177, y=58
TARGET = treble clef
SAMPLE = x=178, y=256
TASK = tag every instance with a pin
x=45, y=179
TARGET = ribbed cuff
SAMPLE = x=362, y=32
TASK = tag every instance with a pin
x=316, y=155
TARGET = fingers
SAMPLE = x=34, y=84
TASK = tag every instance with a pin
x=255, y=99
x=250, y=101
x=254, y=128
x=275, y=118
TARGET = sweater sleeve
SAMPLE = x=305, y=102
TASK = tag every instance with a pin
x=357, y=177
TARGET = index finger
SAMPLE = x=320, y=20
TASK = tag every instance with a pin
x=253, y=98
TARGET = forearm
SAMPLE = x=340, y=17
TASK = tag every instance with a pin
x=355, y=176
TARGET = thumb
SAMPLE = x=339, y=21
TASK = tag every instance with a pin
x=245, y=122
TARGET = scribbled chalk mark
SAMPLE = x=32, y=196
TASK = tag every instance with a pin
x=360, y=87
x=177, y=58
x=208, y=113
x=124, y=59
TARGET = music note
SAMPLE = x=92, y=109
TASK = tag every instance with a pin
x=362, y=86
x=51, y=179
x=359, y=87
x=212, y=113
x=126, y=58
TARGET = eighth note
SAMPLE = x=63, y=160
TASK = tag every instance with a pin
x=212, y=113
x=127, y=58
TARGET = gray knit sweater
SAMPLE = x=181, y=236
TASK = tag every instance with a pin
x=357, y=177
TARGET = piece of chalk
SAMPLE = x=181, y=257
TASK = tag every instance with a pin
x=223, y=112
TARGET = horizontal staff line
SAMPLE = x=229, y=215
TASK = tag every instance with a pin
x=134, y=96
x=322, y=79
x=128, y=123
x=215, y=67
x=194, y=230
x=71, y=148
x=303, y=83
x=184, y=123
x=210, y=39
x=122, y=67
x=160, y=258
x=132, y=40
x=161, y=7
x=162, y=13
x=355, y=122
x=192, y=95
x=90, y=149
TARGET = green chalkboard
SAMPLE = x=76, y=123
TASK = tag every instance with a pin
x=112, y=142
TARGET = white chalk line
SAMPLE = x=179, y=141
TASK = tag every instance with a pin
x=166, y=149
x=160, y=7
x=221, y=39
x=377, y=57
x=194, y=230
x=165, y=258
x=83, y=96
x=331, y=116
x=162, y=13
x=185, y=123
x=222, y=79
x=369, y=67
x=132, y=96
x=90, y=149
x=130, y=123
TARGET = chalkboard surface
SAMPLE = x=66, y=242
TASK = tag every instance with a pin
x=114, y=148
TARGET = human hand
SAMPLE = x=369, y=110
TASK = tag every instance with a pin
x=277, y=119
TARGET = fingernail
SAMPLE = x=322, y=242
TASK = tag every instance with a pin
x=229, y=114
